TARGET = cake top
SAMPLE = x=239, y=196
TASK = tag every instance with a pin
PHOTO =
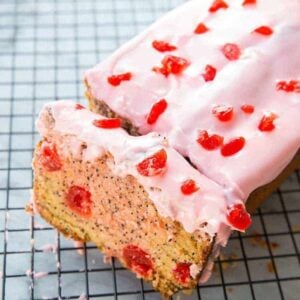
x=221, y=79
x=178, y=190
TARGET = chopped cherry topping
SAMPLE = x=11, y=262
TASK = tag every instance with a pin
x=267, y=122
x=210, y=73
x=247, y=108
x=189, y=187
x=78, y=106
x=49, y=157
x=172, y=65
x=238, y=217
x=157, y=109
x=231, y=51
x=223, y=113
x=161, y=70
x=108, y=123
x=289, y=86
x=182, y=272
x=264, y=30
x=218, y=4
x=210, y=142
x=79, y=201
x=249, y=2
x=162, y=46
x=233, y=146
x=138, y=260
x=201, y=28
x=116, y=80
x=153, y=165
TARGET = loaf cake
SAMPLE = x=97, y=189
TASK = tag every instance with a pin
x=190, y=119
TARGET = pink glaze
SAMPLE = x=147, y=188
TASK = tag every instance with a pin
x=208, y=204
x=251, y=79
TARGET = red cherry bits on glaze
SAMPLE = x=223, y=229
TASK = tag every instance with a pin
x=223, y=113
x=249, y=2
x=210, y=142
x=108, y=123
x=157, y=109
x=189, y=187
x=138, y=260
x=79, y=201
x=49, y=157
x=231, y=51
x=154, y=165
x=264, y=30
x=248, y=109
x=116, y=80
x=289, y=86
x=267, y=122
x=182, y=272
x=162, y=46
x=218, y=4
x=172, y=65
x=238, y=217
x=233, y=146
x=201, y=28
x=78, y=106
x=209, y=73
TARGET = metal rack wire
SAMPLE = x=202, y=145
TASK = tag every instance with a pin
x=44, y=48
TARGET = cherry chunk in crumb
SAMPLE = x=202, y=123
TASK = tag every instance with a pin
x=49, y=158
x=138, y=260
x=182, y=272
x=78, y=199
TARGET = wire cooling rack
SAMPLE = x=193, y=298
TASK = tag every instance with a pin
x=44, y=48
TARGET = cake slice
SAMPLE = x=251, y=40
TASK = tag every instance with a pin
x=136, y=198
x=220, y=79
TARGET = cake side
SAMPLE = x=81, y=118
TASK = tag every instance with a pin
x=124, y=223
